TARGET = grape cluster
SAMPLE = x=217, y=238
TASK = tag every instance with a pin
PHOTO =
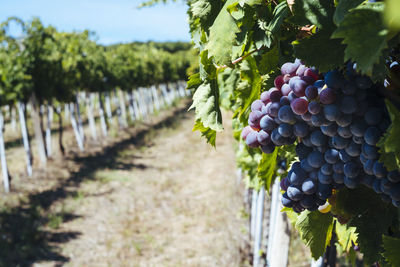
x=337, y=120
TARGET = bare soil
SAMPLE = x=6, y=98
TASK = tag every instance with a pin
x=154, y=195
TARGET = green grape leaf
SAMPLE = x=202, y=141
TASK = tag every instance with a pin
x=206, y=132
x=346, y=236
x=251, y=2
x=269, y=61
x=227, y=82
x=392, y=15
x=363, y=24
x=205, y=102
x=343, y=8
x=194, y=81
x=249, y=88
x=315, y=230
x=247, y=160
x=281, y=11
x=222, y=36
x=389, y=143
x=314, y=12
x=363, y=204
x=205, y=11
x=266, y=169
x=320, y=51
x=207, y=69
x=279, y=14
x=392, y=248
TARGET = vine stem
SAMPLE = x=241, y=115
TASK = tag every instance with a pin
x=239, y=59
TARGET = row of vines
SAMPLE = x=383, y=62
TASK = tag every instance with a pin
x=315, y=85
x=45, y=72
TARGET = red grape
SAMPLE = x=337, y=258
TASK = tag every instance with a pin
x=299, y=106
x=279, y=81
x=311, y=73
x=275, y=94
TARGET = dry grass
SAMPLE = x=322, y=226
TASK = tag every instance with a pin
x=154, y=196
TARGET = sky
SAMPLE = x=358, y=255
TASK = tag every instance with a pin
x=114, y=21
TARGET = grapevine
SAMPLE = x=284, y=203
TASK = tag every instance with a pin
x=315, y=83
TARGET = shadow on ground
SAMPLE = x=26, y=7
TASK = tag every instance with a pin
x=24, y=239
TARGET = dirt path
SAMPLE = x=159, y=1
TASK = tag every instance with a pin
x=163, y=198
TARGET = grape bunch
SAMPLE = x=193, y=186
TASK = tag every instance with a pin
x=337, y=120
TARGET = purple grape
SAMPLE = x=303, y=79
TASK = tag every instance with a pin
x=275, y=94
x=292, y=96
x=302, y=150
x=267, y=124
x=358, y=127
x=284, y=101
x=394, y=176
x=327, y=96
x=373, y=116
x=257, y=105
x=348, y=105
x=299, y=106
x=306, y=116
x=276, y=138
x=379, y=169
x=350, y=88
x=372, y=136
x=263, y=138
x=298, y=86
x=286, y=130
x=339, y=142
x=369, y=167
x=331, y=156
x=285, y=89
x=344, y=120
x=351, y=183
x=311, y=73
x=344, y=132
x=300, y=129
x=311, y=92
x=351, y=169
x=245, y=132
x=265, y=97
x=370, y=152
x=334, y=79
x=286, y=115
x=251, y=139
x=309, y=187
x=324, y=179
x=314, y=107
x=332, y=112
x=268, y=149
x=363, y=82
x=329, y=130
x=289, y=68
x=274, y=109
x=315, y=159
x=353, y=149
x=294, y=193
x=286, y=201
x=318, y=138
x=300, y=70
